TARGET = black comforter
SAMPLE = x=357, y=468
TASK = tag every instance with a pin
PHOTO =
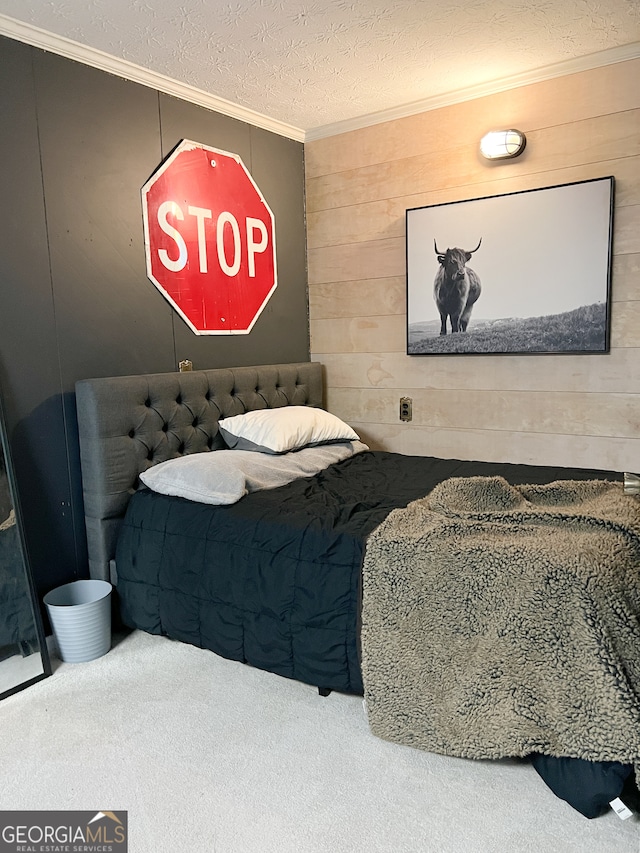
x=274, y=580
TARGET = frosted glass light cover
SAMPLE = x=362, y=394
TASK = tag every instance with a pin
x=500, y=144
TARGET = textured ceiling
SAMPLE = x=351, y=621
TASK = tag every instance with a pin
x=315, y=63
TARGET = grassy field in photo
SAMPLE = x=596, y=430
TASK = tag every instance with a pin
x=580, y=330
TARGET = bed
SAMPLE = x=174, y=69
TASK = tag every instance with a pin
x=274, y=577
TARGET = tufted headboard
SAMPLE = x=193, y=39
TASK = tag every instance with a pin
x=128, y=423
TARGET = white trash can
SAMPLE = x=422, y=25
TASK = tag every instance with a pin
x=80, y=615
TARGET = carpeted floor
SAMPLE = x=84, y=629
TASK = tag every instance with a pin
x=209, y=756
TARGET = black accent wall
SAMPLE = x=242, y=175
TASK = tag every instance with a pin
x=76, y=146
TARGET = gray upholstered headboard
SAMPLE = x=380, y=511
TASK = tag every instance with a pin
x=128, y=423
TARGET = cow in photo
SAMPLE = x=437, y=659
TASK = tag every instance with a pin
x=456, y=288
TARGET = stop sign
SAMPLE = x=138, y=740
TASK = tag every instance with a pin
x=209, y=239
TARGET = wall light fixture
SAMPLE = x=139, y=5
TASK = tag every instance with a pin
x=502, y=144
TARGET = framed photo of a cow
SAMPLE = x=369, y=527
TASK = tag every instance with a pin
x=526, y=272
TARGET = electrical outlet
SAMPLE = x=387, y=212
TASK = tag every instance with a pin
x=406, y=408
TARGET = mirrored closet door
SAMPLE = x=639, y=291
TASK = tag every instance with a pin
x=23, y=651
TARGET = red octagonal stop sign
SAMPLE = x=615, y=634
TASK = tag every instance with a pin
x=209, y=239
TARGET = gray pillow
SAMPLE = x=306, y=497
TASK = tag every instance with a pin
x=225, y=476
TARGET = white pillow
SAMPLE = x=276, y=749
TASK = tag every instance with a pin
x=284, y=429
x=225, y=476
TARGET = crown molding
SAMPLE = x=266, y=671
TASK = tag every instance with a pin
x=70, y=49
x=526, y=78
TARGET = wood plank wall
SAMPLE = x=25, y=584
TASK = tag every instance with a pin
x=581, y=410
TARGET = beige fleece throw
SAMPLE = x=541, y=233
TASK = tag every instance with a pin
x=500, y=620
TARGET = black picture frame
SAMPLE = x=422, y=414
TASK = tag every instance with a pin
x=538, y=263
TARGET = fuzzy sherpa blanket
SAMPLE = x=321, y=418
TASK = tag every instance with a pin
x=499, y=621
